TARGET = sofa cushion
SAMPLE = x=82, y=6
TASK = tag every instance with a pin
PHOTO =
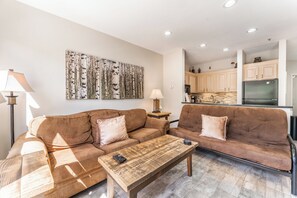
x=214, y=127
x=112, y=130
x=135, y=118
x=61, y=132
x=145, y=134
x=117, y=145
x=275, y=156
x=263, y=125
x=100, y=114
x=73, y=163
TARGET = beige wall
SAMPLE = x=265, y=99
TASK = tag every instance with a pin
x=34, y=42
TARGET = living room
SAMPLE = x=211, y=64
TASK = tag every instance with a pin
x=167, y=39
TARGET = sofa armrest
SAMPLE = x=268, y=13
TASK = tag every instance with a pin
x=26, y=175
x=162, y=125
x=293, y=150
x=294, y=166
x=26, y=144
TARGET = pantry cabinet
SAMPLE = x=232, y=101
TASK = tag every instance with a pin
x=260, y=71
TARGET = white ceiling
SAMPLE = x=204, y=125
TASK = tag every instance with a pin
x=143, y=22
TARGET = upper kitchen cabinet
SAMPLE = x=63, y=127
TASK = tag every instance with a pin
x=226, y=81
x=260, y=71
x=201, y=83
x=232, y=80
x=206, y=82
x=217, y=81
x=190, y=79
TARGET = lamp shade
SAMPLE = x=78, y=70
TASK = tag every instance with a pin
x=1, y=99
x=13, y=81
x=156, y=94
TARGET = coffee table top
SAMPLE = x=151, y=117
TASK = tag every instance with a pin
x=145, y=160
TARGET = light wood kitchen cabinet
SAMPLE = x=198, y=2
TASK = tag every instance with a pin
x=232, y=80
x=226, y=81
x=201, y=83
x=210, y=82
x=193, y=83
x=260, y=71
x=218, y=81
x=187, y=80
x=190, y=79
x=221, y=82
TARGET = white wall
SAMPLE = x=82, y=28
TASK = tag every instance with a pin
x=34, y=43
x=282, y=73
x=216, y=65
x=291, y=69
x=240, y=61
x=173, y=82
x=265, y=55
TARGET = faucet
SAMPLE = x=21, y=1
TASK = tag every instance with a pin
x=212, y=98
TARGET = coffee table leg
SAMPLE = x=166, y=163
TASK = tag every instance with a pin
x=189, y=163
x=132, y=194
x=110, y=187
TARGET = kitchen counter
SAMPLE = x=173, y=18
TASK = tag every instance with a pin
x=243, y=105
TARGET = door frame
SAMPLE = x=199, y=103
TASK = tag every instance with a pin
x=293, y=76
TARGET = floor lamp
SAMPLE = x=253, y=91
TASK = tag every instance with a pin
x=11, y=82
x=2, y=100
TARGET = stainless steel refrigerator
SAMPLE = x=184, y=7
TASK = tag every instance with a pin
x=261, y=92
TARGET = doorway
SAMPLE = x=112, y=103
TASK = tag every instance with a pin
x=294, y=94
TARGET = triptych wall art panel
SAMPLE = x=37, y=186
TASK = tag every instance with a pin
x=91, y=77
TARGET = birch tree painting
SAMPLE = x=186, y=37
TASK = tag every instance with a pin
x=90, y=77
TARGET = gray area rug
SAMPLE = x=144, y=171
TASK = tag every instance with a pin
x=213, y=176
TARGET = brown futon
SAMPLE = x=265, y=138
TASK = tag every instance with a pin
x=258, y=136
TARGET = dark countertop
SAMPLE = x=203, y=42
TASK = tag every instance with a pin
x=243, y=105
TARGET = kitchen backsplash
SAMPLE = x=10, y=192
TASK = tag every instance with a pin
x=220, y=98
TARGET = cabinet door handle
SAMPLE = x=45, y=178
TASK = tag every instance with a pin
x=256, y=76
x=262, y=75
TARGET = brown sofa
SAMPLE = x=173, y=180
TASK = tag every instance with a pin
x=67, y=144
x=258, y=136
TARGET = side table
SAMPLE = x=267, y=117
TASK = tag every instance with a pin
x=159, y=115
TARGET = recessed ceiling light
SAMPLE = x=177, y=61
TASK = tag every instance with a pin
x=226, y=49
x=229, y=3
x=252, y=30
x=167, y=33
x=203, y=45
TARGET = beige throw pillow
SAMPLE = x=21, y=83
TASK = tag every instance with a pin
x=112, y=130
x=214, y=127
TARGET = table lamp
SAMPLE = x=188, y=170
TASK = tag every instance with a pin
x=156, y=95
x=11, y=82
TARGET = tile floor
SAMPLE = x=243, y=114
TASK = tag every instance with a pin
x=213, y=177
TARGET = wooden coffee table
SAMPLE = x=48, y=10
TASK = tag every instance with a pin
x=145, y=163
